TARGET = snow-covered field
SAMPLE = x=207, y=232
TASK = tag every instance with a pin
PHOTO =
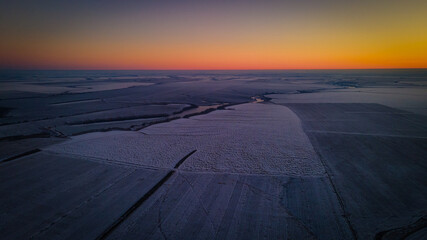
x=327, y=155
x=411, y=99
x=249, y=138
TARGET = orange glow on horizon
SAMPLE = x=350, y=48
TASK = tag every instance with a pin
x=216, y=38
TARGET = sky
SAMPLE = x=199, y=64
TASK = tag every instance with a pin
x=185, y=34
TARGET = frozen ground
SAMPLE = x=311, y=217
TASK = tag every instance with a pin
x=235, y=140
x=75, y=88
x=411, y=99
x=190, y=155
x=234, y=168
x=375, y=156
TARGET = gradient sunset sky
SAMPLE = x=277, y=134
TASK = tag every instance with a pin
x=213, y=34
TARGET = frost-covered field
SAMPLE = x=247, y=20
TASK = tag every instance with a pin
x=411, y=99
x=249, y=138
x=213, y=154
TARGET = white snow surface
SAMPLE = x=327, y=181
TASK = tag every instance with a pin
x=411, y=99
x=249, y=138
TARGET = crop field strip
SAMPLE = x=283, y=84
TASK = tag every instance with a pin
x=398, y=144
x=137, y=204
x=20, y=155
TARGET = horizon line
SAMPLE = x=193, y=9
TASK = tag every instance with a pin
x=255, y=69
